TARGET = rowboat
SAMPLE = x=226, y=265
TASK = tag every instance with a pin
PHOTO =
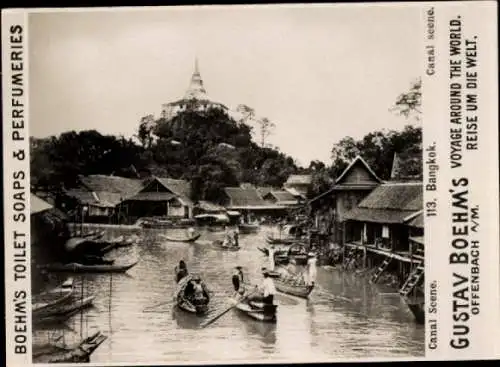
x=80, y=268
x=248, y=228
x=183, y=297
x=192, y=239
x=301, y=291
x=44, y=301
x=256, y=310
x=218, y=245
x=80, y=353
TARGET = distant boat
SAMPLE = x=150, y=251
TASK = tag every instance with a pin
x=183, y=297
x=80, y=268
x=256, y=310
x=218, y=245
x=192, y=239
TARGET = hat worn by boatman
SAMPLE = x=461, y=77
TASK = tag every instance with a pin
x=238, y=267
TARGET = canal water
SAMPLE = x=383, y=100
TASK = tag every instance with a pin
x=345, y=317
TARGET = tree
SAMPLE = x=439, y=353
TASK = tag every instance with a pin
x=266, y=128
x=146, y=130
x=408, y=104
x=248, y=117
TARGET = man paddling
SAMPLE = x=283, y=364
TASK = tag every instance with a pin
x=266, y=292
x=238, y=280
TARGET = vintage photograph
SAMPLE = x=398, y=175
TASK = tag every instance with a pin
x=226, y=184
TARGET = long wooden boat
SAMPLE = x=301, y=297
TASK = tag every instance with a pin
x=80, y=353
x=56, y=296
x=192, y=239
x=248, y=228
x=301, y=291
x=80, y=268
x=183, y=297
x=256, y=310
x=218, y=245
x=283, y=256
x=65, y=308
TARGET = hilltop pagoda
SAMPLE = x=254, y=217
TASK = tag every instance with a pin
x=195, y=98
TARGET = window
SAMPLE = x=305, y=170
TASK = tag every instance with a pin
x=385, y=231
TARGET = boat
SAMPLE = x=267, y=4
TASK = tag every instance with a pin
x=301, y=291
x=80, y=268
x=183, y=297
x=56, y=296
x=69, y=307
x=218, y=245
x=248, y=228
x=192, y=239
x=281, y=241
x=80, y=353
x=256, y=310
x=283, y=256
x=417, y=308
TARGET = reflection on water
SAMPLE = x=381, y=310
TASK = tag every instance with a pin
x=345, y=317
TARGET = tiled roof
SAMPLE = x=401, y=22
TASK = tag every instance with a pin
x=152, y=196
x=127, y=187
x=244, y=197
x=181, y=188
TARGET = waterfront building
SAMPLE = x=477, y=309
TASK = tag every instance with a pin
x=196, y=98
x=250, y=204
x=383, y=227
x=350, y=188
x=161, y=197
x=97, y=198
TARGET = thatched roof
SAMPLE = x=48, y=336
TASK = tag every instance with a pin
x=208, y=206
x=264, y=190
x=299, y=180
x=127, y=187
x=100, y=198
x=38, y=205
x=282, y=197
x=152, y=196
x=389, y=203
x=416, y=220
x=244, y=197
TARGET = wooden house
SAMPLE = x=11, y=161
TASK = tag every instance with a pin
x=96, y=198
x=350, y=188
x=381, y=227
x=250, y=204
x=161, y=197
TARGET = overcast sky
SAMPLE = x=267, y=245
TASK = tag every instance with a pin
x=319, y=73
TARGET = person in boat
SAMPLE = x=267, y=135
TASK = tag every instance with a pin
x=238, y=280
x=311, y=268
x=266, y=291
x=198, y=291
x=181, y=271
x=271, y=258
x=191, y=232
x=236, y=235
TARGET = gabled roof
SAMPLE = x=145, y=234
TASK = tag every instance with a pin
x=357, y=160
x=416, y=220
x=295, y=192
x=299, y=180
x=389, y=203
x=244, y=197
x=264, y=190
x=181, y=188
x=38, y=205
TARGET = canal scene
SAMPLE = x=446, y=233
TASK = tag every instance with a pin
x=210, y=211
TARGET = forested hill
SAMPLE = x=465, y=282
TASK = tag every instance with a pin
x=208, y=148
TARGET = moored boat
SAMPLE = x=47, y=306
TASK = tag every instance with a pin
x=81, y=268
x=218, y=245
x=192, y=239
x=65, y=308
x=184, y=296
x=44, y=301
x=281, y=241
x=297, y=290
x=256, y=310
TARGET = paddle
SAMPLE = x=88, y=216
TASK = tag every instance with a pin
x=151, y=308
x=226, y=310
